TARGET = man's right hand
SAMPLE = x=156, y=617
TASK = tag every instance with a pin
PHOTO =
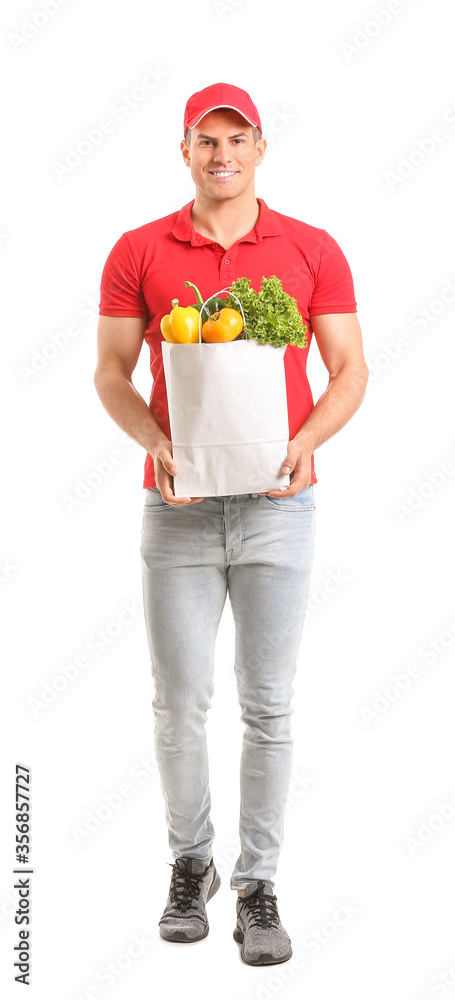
x=165, y=468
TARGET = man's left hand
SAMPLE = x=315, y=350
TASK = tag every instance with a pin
x=298, y=464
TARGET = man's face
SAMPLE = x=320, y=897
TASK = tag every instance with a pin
x=222, y=155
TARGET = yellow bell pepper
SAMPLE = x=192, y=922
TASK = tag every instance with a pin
x=166, y=330
x=182, y=323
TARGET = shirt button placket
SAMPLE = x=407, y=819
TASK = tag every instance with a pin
x=227, y=264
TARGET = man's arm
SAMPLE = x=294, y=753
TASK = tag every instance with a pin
x=120, y=340
x=339, y=339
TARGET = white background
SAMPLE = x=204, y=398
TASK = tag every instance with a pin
x=361, y=786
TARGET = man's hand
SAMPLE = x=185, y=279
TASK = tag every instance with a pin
x=298, y=464
x=165, y=468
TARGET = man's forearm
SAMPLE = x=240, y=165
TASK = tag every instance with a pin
x=128, y=409
x=335, y=407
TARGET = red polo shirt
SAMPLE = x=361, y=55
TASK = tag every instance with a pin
x=147, y=268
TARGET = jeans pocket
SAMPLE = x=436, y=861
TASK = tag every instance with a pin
x=303, y=500
x=154, y=500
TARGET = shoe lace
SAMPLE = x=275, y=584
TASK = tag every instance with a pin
x=261, y=909
x=184, y=887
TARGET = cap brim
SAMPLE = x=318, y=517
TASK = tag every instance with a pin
x=192, y=123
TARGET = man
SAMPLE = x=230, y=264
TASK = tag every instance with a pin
x=256, y=547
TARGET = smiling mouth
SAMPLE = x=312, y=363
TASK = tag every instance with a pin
x=223, y=174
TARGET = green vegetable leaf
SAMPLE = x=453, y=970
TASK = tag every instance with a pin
x=271, y=315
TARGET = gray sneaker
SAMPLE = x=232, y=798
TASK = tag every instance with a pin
x=259, y=929
x=192, y=885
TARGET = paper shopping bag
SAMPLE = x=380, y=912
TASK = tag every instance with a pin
x=228, y=416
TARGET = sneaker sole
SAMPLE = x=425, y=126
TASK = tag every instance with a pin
x=265, y=958
x=180, y=935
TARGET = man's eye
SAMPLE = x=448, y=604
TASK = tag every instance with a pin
x=205, y=141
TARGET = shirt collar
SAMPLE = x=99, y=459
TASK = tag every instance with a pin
x=268, y=224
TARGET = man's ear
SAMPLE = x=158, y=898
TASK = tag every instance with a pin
x=185, y=150
x=261, y=147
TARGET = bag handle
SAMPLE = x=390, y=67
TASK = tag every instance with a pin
x=208, y=300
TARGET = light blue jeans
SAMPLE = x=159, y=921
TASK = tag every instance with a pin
x=260, y=550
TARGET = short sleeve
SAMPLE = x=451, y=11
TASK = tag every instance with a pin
x=121, y=292
x=334, y=287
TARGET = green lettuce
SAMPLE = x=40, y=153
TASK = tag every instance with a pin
x=271, y=315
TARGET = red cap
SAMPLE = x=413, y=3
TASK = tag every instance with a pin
x=220, y=95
